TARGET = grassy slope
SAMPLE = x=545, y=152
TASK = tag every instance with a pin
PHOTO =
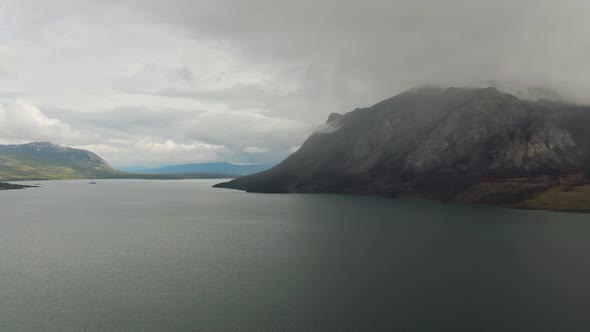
x=16, y=167
x=559, y=198
x=556, y=193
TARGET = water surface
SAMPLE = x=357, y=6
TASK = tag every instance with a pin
x=180, y=255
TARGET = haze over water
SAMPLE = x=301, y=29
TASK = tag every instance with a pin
x=180, y=255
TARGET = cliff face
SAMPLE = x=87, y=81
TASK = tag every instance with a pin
x=434, y=143
x=495, y=132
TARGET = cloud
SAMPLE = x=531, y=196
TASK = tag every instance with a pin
x=22, y=121
x=115, y=135
x=389, y=46
x=327, y=128
x=144, y=152
x=145, y=135
x=255, y=149
x=204, y=80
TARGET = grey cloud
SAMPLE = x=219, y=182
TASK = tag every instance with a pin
x=236, y=130
x=239, y=96
x=5, y=74
x=184, y=75
x=129, y=118
x=223, y=77
x=388, y=46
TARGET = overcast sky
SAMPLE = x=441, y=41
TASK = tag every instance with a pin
x=147, y=82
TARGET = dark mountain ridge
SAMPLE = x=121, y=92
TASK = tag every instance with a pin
x=468, y=145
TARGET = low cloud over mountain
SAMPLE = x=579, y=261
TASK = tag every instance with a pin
x=208, y=80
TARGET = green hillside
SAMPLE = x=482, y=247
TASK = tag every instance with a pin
x=47, y=161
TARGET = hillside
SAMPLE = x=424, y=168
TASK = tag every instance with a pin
x=44, y=160
x=456, y=144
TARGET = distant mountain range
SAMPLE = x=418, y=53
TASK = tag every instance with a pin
x=205, y=168
x=456, y=144
x=48, y=161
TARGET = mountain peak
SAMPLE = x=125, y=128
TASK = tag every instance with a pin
x=44, y=144
x=334, y=117
x=434, y=142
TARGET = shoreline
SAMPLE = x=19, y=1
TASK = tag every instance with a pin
x=12, y=186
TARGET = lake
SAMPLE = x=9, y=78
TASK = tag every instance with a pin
x=180, y=255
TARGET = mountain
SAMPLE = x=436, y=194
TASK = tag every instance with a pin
x=204, y=168
x=468, y=145
x=44, y=160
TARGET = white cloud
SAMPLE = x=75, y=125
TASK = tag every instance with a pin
x=327, y=128
x=145, y=152
x=22, y=121
x=146, y=136
x=255, y=149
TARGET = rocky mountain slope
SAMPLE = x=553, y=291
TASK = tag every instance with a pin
x=455, y=144
x=44, y=160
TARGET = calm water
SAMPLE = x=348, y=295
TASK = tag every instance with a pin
x=179, y=255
